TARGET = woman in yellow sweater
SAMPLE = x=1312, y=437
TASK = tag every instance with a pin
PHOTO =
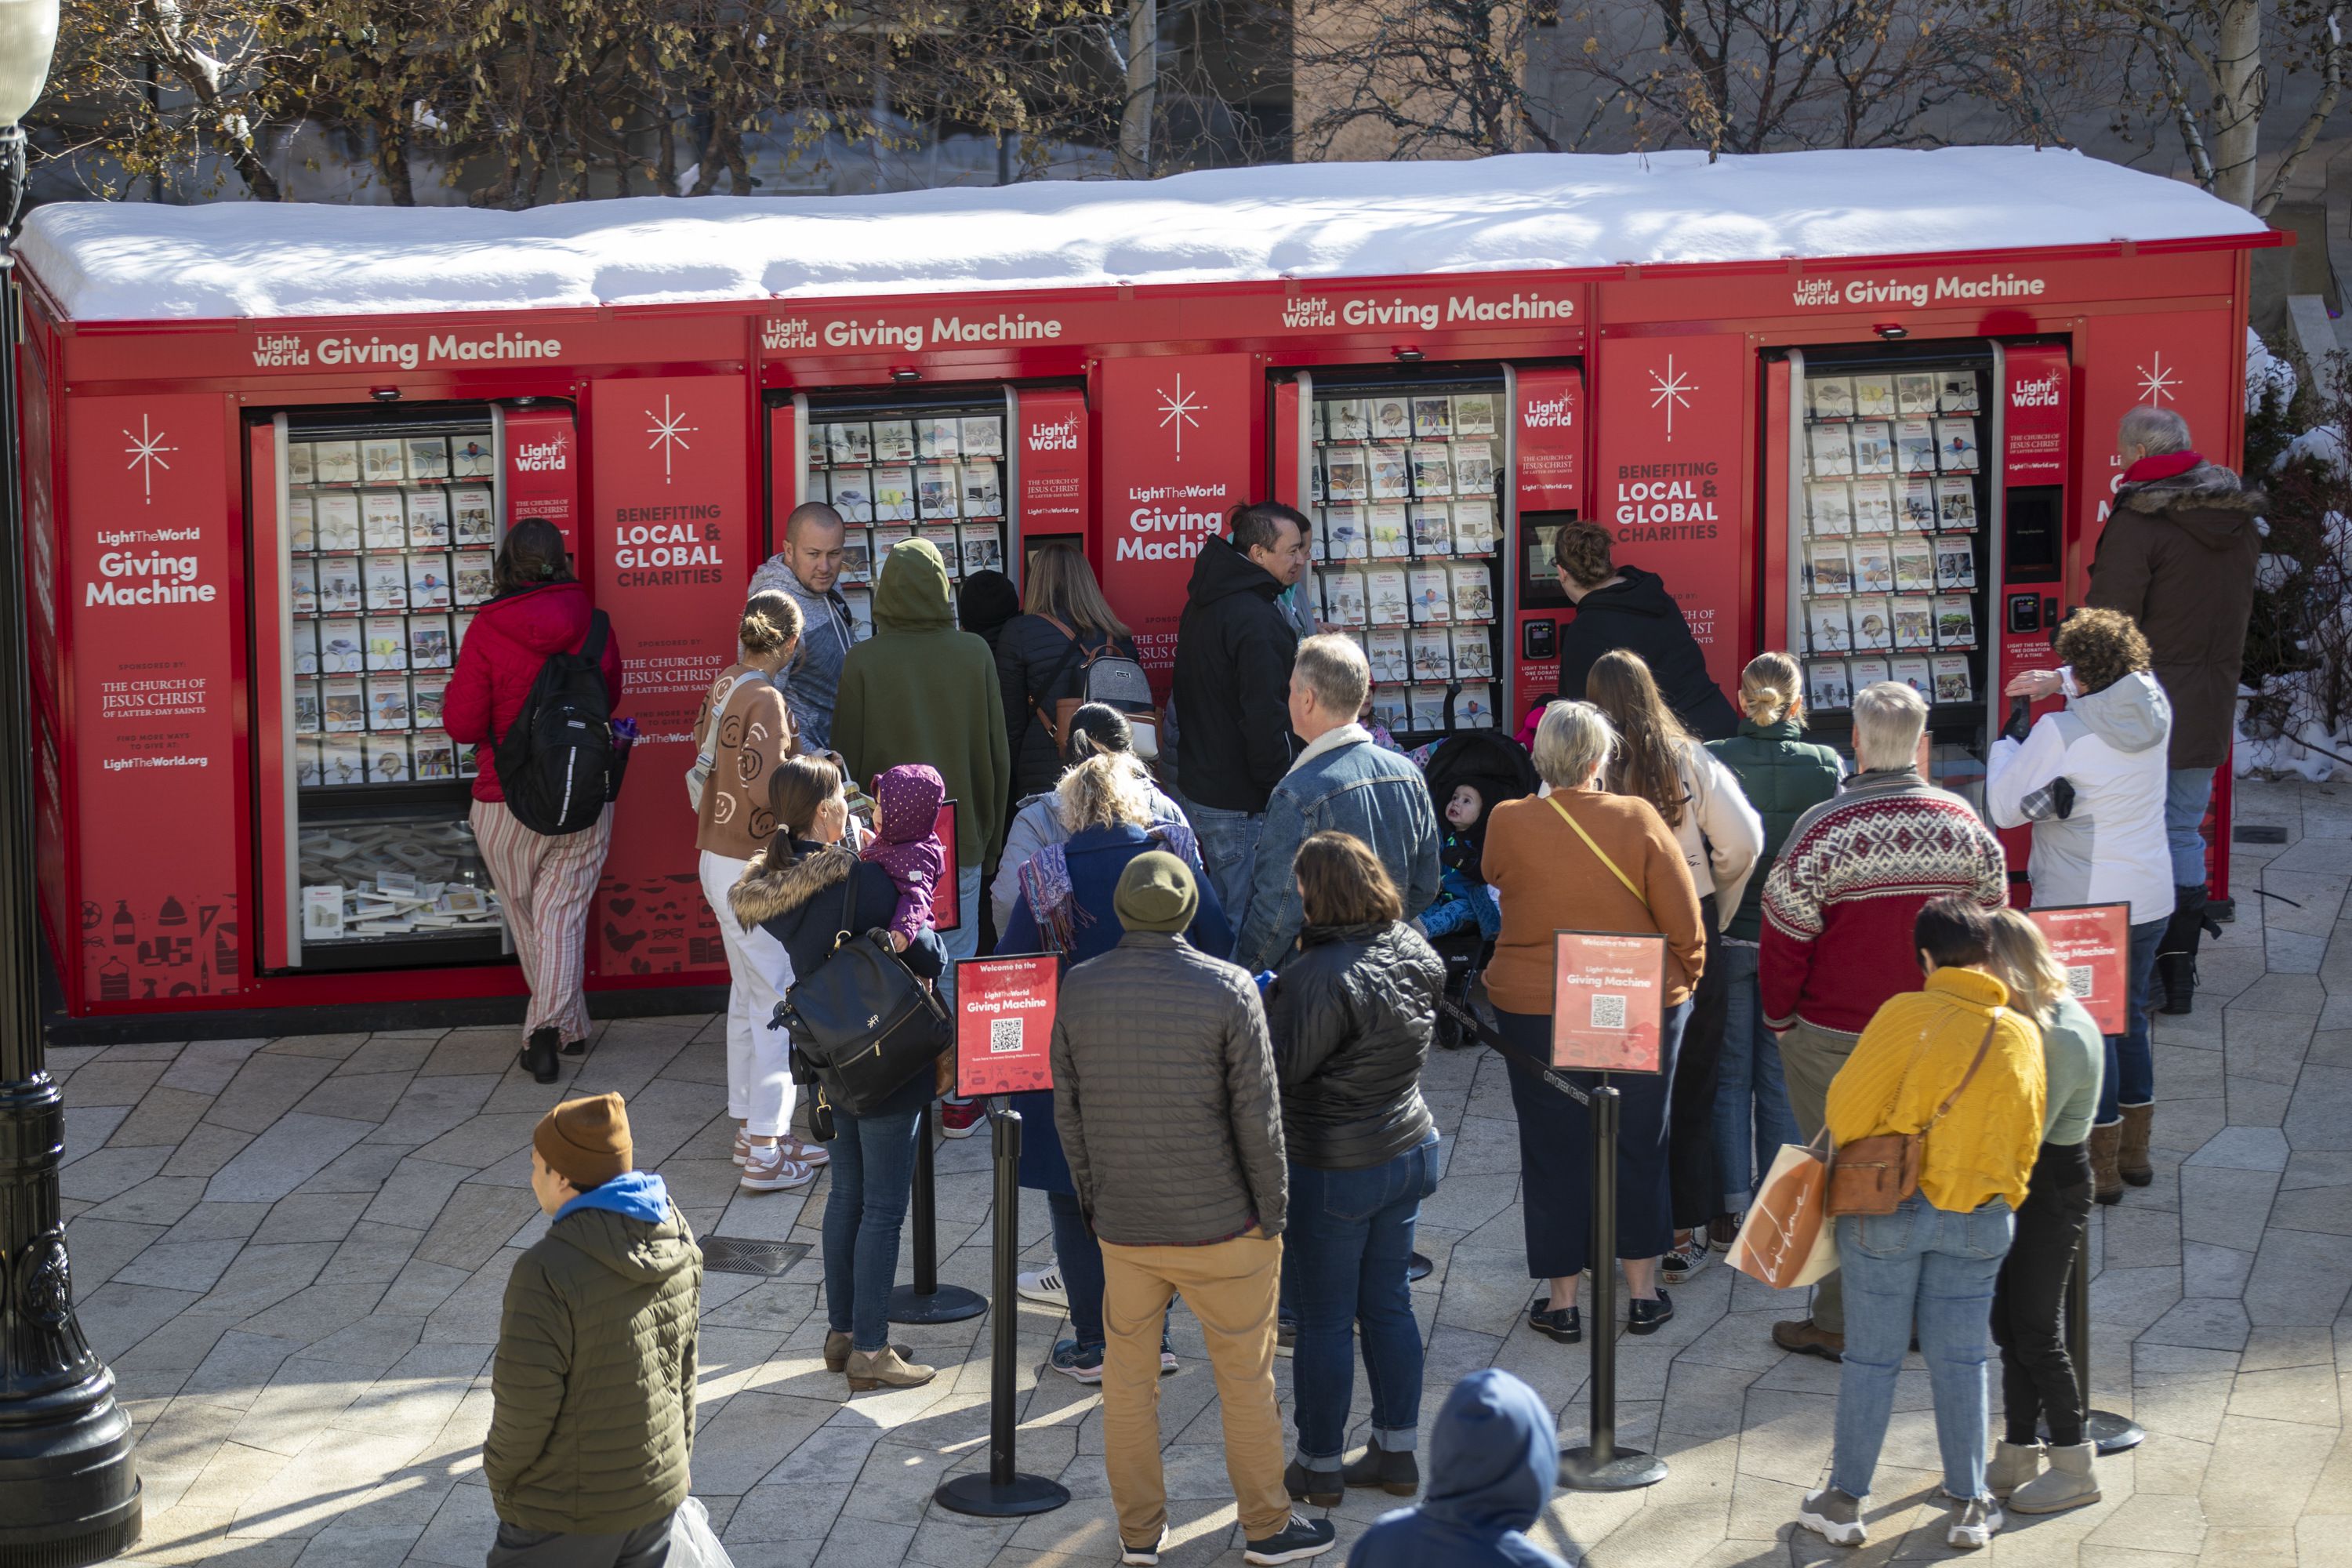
x=1934, y=1260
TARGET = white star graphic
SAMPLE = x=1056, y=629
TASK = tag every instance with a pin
x=146, y=454
x=669, y=432
x=1671, y=389
x=1181, y=408
x=2156, y=383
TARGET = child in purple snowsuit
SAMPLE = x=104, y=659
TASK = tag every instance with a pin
x=907, y=845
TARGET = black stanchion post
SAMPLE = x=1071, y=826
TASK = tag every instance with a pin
x=2103, y=1429
x=1601, y=1465
x=1003, y=1492
x=927, y=1301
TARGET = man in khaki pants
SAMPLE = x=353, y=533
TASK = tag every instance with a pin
x=1851, y=877
x=1164, y=1091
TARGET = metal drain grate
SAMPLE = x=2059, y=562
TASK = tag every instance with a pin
x=2258, y=833
x=738, y=1255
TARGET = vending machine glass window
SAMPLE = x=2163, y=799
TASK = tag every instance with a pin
x=900, y=471
x=1402, y=484
x=389, y=527
x=1890, y=558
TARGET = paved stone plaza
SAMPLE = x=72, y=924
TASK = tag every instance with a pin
x=292, y=1251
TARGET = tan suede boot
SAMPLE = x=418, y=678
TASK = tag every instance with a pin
x=884, y=1368
x=2012, y=1466
x=2131, y=1159
x=837, y=1348
x=2071, y=1481
x=2106, y=1185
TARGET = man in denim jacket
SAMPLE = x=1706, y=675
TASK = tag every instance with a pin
x=1340, y=782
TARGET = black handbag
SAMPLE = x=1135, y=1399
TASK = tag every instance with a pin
x=863, y=1022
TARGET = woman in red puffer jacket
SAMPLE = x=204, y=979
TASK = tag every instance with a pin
x=544, y=883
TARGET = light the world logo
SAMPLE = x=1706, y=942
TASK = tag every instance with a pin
x=2159, y=384
x=1178, y=409
x=146, y=455
x=669, y=431
x=1671, y=389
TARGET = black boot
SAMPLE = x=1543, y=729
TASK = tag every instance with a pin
x=2176, y=951
x=538, y=1054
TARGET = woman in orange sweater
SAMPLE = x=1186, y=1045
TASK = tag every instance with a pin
x=1623, y=872
x=1951, y=1061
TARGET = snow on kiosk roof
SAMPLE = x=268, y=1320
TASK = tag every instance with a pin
x=135, y=262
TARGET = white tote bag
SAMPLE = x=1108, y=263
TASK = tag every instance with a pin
x=1788, y=1238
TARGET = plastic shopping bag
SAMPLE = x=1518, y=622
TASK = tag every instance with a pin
x=692, y=1542
x=1788, y=1238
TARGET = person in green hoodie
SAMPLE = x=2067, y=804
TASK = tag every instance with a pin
x=919, y=691
x=591, y=1388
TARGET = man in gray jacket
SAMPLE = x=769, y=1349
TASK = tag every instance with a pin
x=807, y=568
x=1164, y=1091
x=1342, y=781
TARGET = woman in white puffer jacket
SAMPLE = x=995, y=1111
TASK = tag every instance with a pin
x=2099, y=839
x=1722, y=838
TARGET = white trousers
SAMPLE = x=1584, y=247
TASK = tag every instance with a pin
x=759, y=1079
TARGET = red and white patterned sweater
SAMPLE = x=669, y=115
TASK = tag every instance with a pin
x=1853, y=874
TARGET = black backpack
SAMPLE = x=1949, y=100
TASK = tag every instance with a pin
x=559, y=761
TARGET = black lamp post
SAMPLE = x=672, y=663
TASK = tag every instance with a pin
x=69, y=1493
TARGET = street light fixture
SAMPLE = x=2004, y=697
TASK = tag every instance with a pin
x=69, y=1491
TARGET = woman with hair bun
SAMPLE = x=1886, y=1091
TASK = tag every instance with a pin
x=544, y=882
x=1783, y=776
x=746, y=731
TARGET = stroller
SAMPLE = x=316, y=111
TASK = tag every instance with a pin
x=1499, y=769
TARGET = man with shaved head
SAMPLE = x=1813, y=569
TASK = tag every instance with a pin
x=806, y=568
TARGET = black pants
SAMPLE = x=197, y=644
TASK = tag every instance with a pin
x=2037, y=1376
x=1697, y=1191
x=1556, y=1151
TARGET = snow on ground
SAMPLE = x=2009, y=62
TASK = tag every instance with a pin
x=109, y=261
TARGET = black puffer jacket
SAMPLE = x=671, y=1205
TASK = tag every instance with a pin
x=1234, y=649
x=1350, y=1013
x=1037, y=666
x=1639, y=615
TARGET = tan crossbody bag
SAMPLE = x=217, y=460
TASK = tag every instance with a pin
x=1872, y=1176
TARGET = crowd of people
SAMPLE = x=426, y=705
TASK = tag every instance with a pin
x=1266, y=916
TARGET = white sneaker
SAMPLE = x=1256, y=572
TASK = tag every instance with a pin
x=1834, y=1516
x=1143, y=1556
x=742, y=1145
x=1973, y=1525
x=1044, y=1286
x=767, y=1171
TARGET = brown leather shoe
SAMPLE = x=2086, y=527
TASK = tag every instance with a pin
x=1801, y=1336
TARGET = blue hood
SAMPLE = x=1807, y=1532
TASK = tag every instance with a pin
x=1494, y=1460
x=1494, y=1455
x=632, y=1195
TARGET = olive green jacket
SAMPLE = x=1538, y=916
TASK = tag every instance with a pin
x=592, y=1386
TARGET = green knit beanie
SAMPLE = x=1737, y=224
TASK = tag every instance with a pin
x=1156, y=892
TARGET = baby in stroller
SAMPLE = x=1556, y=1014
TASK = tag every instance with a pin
x=1469, y=774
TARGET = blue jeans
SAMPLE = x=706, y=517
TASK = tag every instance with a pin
x=1079, y=1257
x=1228, y=841
x=2187, y=793
x=2131, y=1075
x=873, y=1175
x=1936, y=1269
x=1345, y=1253
x=1752, y=1118
x=964, y=940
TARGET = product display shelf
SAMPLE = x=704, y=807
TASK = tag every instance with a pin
x=898, y=471
x=1408, y=523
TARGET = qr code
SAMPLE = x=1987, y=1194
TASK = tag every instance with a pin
x=1004, y=1035
x=1608, y=1012
x=2078, y=980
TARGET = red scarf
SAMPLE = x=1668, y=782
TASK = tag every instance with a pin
x=2166, y=465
